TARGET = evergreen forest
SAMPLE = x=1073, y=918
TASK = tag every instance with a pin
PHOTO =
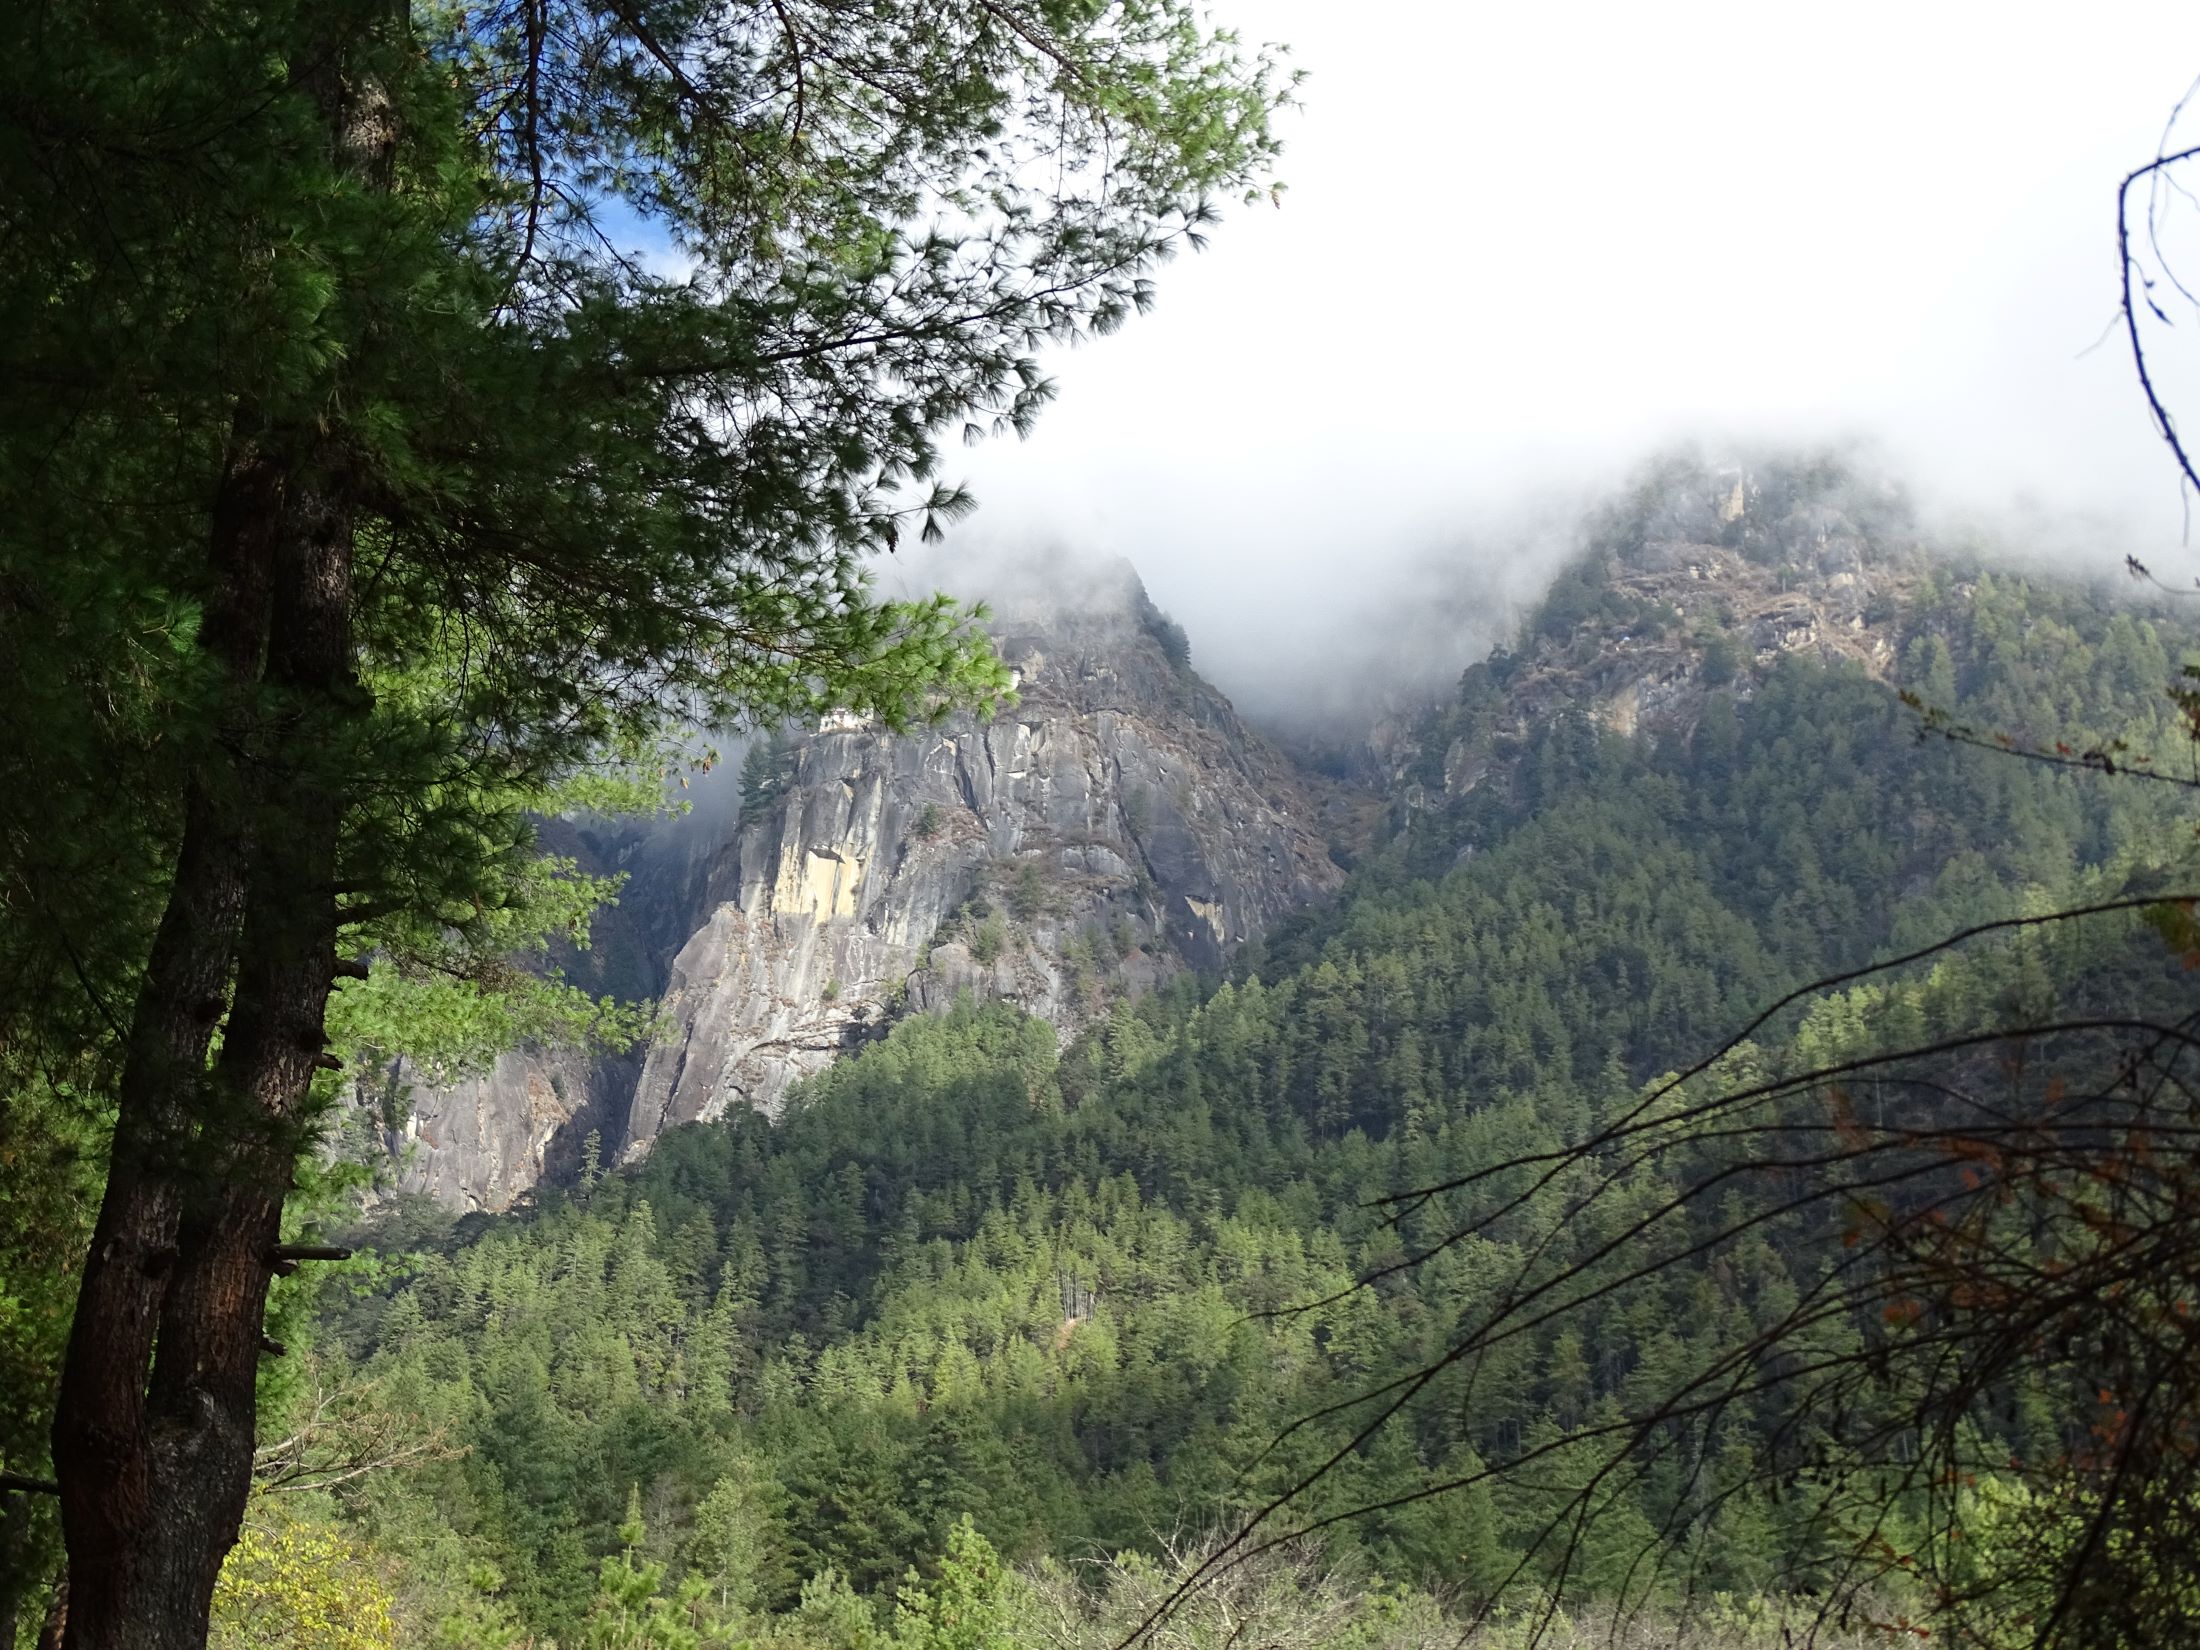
x=979, y=1307
x=1677, y=1133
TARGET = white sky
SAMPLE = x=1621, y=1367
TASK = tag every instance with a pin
x=1526, y=244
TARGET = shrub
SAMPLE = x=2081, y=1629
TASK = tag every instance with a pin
x=1027, y=891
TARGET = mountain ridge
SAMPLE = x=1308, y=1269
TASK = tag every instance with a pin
x=1121, y=823
x=1116, y=824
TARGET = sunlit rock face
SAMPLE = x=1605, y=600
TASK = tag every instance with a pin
x=1115, y=825
x=483, y=1141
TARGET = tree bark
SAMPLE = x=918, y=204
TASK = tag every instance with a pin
x=201, y=1405
x=155, y=1474
x=102, y=1451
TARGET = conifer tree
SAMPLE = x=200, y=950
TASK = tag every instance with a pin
x=330, y=365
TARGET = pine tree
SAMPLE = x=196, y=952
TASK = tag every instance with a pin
x=965, y=1608
x=458, y=497
x=737, y=1546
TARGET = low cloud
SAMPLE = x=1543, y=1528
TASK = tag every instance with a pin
x=1524, y=249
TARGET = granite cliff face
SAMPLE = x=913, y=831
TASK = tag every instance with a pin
x=1117, y=824
x=482, y=1142
x=1698, y=584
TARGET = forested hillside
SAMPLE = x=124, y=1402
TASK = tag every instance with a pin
x=616, y=1034
x=1072, y=1297
x=416, y=420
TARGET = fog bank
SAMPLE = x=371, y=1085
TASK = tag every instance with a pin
x=1523, y=248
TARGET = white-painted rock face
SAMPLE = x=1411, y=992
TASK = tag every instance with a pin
x=1115, y=825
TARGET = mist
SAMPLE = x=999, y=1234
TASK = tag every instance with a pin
x=1524, y=249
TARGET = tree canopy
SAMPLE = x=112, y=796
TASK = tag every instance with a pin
x=412, y=414
x=1091, y=1298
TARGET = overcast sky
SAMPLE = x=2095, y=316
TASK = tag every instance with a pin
x=1524, y=245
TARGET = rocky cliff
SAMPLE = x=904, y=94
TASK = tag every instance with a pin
x=1699, y=582
x=1117, y=824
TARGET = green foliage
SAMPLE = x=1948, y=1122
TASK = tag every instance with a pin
x=764, y=776
x=1582, y=593
x=964, y=1608
x=51, y=1145
x=585, y=505
x=974, y=1290
x=1722, y=657
x=1137, y=809
x=986, y=939
x=738, y=1545
x=293, y=1583
x=1170, y=637
x=1027, y=891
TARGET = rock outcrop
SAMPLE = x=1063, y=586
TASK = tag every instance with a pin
x=1699, y=584
x=481, y=1142
x=1116, y=824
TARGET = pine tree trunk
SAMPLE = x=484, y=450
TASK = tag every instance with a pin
x=104, y=1451
x=155, y=1475
x=201, y=1404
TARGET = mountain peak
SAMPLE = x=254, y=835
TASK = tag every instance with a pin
x=1115, y=825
